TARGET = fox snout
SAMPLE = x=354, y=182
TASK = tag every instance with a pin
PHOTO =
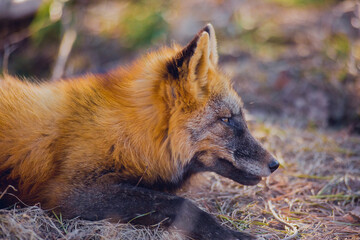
x=273, y=165
x=251, y=157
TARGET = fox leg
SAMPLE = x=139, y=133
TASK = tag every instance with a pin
x=142, y=206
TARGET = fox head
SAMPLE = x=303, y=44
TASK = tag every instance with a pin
x=207, y=125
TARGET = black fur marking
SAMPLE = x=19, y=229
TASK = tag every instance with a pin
x=184, y=56
x=206, y=29
x=228, y=170
x=172, y=69
x=124, y=203
x=177, y=62
x=111, y=150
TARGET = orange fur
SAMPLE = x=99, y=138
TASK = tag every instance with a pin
x=86, y=117
x=133, y=121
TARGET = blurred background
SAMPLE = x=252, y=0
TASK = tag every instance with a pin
x=295, y=63
x=297, y=60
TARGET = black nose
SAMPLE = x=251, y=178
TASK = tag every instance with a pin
x=273, y=165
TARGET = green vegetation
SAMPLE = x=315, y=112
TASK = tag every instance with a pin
x=143, y=23
x=303, y=3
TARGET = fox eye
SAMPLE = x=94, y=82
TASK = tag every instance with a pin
x=230, y=122
x=225, y=119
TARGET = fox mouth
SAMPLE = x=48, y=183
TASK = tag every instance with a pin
x=226, y=169
x=250, y=179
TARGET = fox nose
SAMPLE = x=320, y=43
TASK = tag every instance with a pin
x=273, y=165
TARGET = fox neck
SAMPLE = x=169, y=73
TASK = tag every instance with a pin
x=140, y=129
x=191, y=168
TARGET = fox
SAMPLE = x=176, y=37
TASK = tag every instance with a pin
x=118, y=145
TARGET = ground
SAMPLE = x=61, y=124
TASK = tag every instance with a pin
x=295, y=64
x=316, y=190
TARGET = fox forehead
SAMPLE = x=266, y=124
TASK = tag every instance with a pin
x=233, y=102
x=227, y=104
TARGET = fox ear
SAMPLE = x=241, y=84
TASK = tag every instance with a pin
x=177, y=66
x=214, y=57
x=192, y=62
x=199, y=62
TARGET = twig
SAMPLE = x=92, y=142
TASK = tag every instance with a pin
x=20, y=36
x=8, y=49
x=141, y=215
x=271, y=207
x=66, y=45
x=16, y=37
x=142, y=176
x=6, y=189
x=159, y=223
x=13, y=195
x=52, y=224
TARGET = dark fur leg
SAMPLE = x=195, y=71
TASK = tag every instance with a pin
x=146, y=207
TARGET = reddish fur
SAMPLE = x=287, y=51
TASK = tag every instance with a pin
x=135, y=121
x=85, y=118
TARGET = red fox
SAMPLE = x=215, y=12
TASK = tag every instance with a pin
x=114, y=146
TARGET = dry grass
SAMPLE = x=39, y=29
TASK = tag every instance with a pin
x=316, y=191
